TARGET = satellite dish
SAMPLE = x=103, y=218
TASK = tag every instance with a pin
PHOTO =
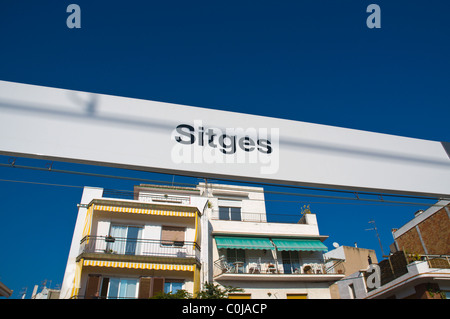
x=335, y=245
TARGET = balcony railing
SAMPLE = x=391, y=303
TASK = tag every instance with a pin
x=260, y=217
x=241, y=216
x=147, y=197
x=270, y=266
x=396, y=265
x=438, y=261
x=139, y=247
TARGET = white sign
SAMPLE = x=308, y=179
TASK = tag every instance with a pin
x=81, y=127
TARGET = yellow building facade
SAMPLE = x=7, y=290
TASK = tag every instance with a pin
x=136, y=248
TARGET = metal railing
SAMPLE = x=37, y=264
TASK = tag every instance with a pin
x=434, y=261
x=335, y=266
x=267, y=266
x=146, y=197
x=139, y=247
x=260, y=217
x=396, y=265
x=152, y=198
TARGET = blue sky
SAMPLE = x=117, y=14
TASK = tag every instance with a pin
x=312, y=61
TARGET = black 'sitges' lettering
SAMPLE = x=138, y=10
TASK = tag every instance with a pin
x=227, y=143
x=181, y=129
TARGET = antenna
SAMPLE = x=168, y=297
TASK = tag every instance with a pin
x=378, y=236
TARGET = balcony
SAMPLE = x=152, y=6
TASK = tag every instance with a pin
x=142, y=196
x=258, y=224
x=142, y=250
x=400, y=264
x=264, y=269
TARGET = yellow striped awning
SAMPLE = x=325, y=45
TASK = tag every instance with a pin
x=120, y=209
x=135, y=265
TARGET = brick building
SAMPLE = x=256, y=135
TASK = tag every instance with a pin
x=428, y=233
x=418, y=266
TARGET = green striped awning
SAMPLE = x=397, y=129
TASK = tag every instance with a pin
x=243, y=242
x=299, y=244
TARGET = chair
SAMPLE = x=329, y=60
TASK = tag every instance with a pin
x=318, y=269
x=225, y=265
x=254, y=266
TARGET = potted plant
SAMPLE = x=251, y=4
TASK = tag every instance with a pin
x=271, y=268
x=110, y=239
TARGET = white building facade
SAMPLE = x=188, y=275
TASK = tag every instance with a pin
x=135, y=248
x=268, y=260
x=162, y=239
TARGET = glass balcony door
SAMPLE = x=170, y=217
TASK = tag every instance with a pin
x=126, y=239
x=291, y=262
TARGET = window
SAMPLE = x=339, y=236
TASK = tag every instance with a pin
x=173, y=286
x=229, y=213
x=234, y=255
x=127, y=288
x=236, y=259
x=112, y=288
x=121, y=288
x=172, y=236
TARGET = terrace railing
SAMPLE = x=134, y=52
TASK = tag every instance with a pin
x=269, y=266
x=139, y=247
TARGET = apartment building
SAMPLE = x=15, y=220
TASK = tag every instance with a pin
x=418, y=266
x=428, y=233
x=135, y=245
x=45, y=293
x=162, y=239
x=269, y=260
x=347, y=260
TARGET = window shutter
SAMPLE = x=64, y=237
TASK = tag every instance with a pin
x=170, y=234
x=105, y=284
x=93, y=286
x=158, y=286
x=145, y=284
